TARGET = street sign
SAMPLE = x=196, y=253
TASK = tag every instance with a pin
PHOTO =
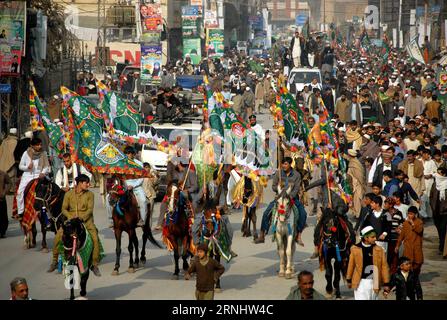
x=300, y=20
x=5, y=88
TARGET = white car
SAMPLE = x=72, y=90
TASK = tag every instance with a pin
x=300, y=77
x=188, y=132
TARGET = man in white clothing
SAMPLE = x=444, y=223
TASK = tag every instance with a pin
x=65, y=176
x=430, y=170
x=136, y=185
x=295, y=47
x=34, y=164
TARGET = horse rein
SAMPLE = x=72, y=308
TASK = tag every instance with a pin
x=46, y=199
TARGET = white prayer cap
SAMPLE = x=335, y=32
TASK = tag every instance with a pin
x=56, y=97
x=367, y=136
x=396, y=119
x=401, y=108
x=29, y=134
x=352, y=152
x=407, y=81
x=13, y=131
x=385, y=147
x=366, y=230
x=393, y=140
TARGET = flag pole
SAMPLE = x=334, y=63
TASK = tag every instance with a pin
x=327, y=182
x=189, y=166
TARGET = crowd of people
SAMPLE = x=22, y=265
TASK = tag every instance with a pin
x=389, y=122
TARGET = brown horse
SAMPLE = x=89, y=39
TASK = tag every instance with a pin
x=42, y=196
x=176, y=226
x=125, y=215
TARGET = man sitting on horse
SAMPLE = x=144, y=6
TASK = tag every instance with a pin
x=65, y=176
x=209, y=198
x=34, y=164
x=178, y=174
x=79, y=203
x=136, y=185
x=288, y=181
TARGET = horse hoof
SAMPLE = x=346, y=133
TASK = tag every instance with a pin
x=175, y=277
x=115, y=273
x=131, y=270
x=288, y=276
x=218, y=290
x=281, y=274
x=143, y=262
x=136, y=265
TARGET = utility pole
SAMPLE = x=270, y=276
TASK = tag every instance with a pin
x=398, y=44
x=324, y=15
x=425, y=18
x=104, y=40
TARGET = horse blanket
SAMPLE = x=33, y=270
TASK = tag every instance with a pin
x=29, y=214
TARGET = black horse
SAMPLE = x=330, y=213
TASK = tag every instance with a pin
x=73, y=238
x=334, y=235
x=48, y=205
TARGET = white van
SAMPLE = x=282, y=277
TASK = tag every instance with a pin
x=300, y=77
x=158, y=160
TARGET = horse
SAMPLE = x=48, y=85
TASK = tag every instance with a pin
x=125, y=215
x=74, y=238
x=213, y=231
x=176, y=229
x=336, y=237
x=284, y=233
x=42, y=196
x=248, y=192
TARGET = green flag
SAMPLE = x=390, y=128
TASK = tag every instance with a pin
x=55, y=133
x=122, y=116
x=91, y=146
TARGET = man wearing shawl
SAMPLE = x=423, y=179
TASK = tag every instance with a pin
x=34, y=164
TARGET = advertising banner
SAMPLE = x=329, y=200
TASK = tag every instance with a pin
x=193, y=48
x=151, y=61
x=190, y=28
x=12, y=36
x=151, y=37
x=215, y=42
x=151, y=19
x=211, y=19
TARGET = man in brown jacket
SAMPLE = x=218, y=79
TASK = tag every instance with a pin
x=208, y=272
x=368, y=267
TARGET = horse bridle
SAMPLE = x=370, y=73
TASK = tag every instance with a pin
x=46, y=199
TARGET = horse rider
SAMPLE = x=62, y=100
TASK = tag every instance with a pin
x=65, y=176
x=136, y=185
x=287, y=178
x=210, y=196
x=79, y=203
x=34, y=164
x=179, y=173
x=341, y=209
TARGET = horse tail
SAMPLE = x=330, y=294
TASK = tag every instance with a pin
x=150, y=236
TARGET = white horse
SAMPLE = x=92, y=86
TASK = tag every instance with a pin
x=284, y=234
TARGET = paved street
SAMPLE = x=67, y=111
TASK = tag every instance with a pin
x=251, y=275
